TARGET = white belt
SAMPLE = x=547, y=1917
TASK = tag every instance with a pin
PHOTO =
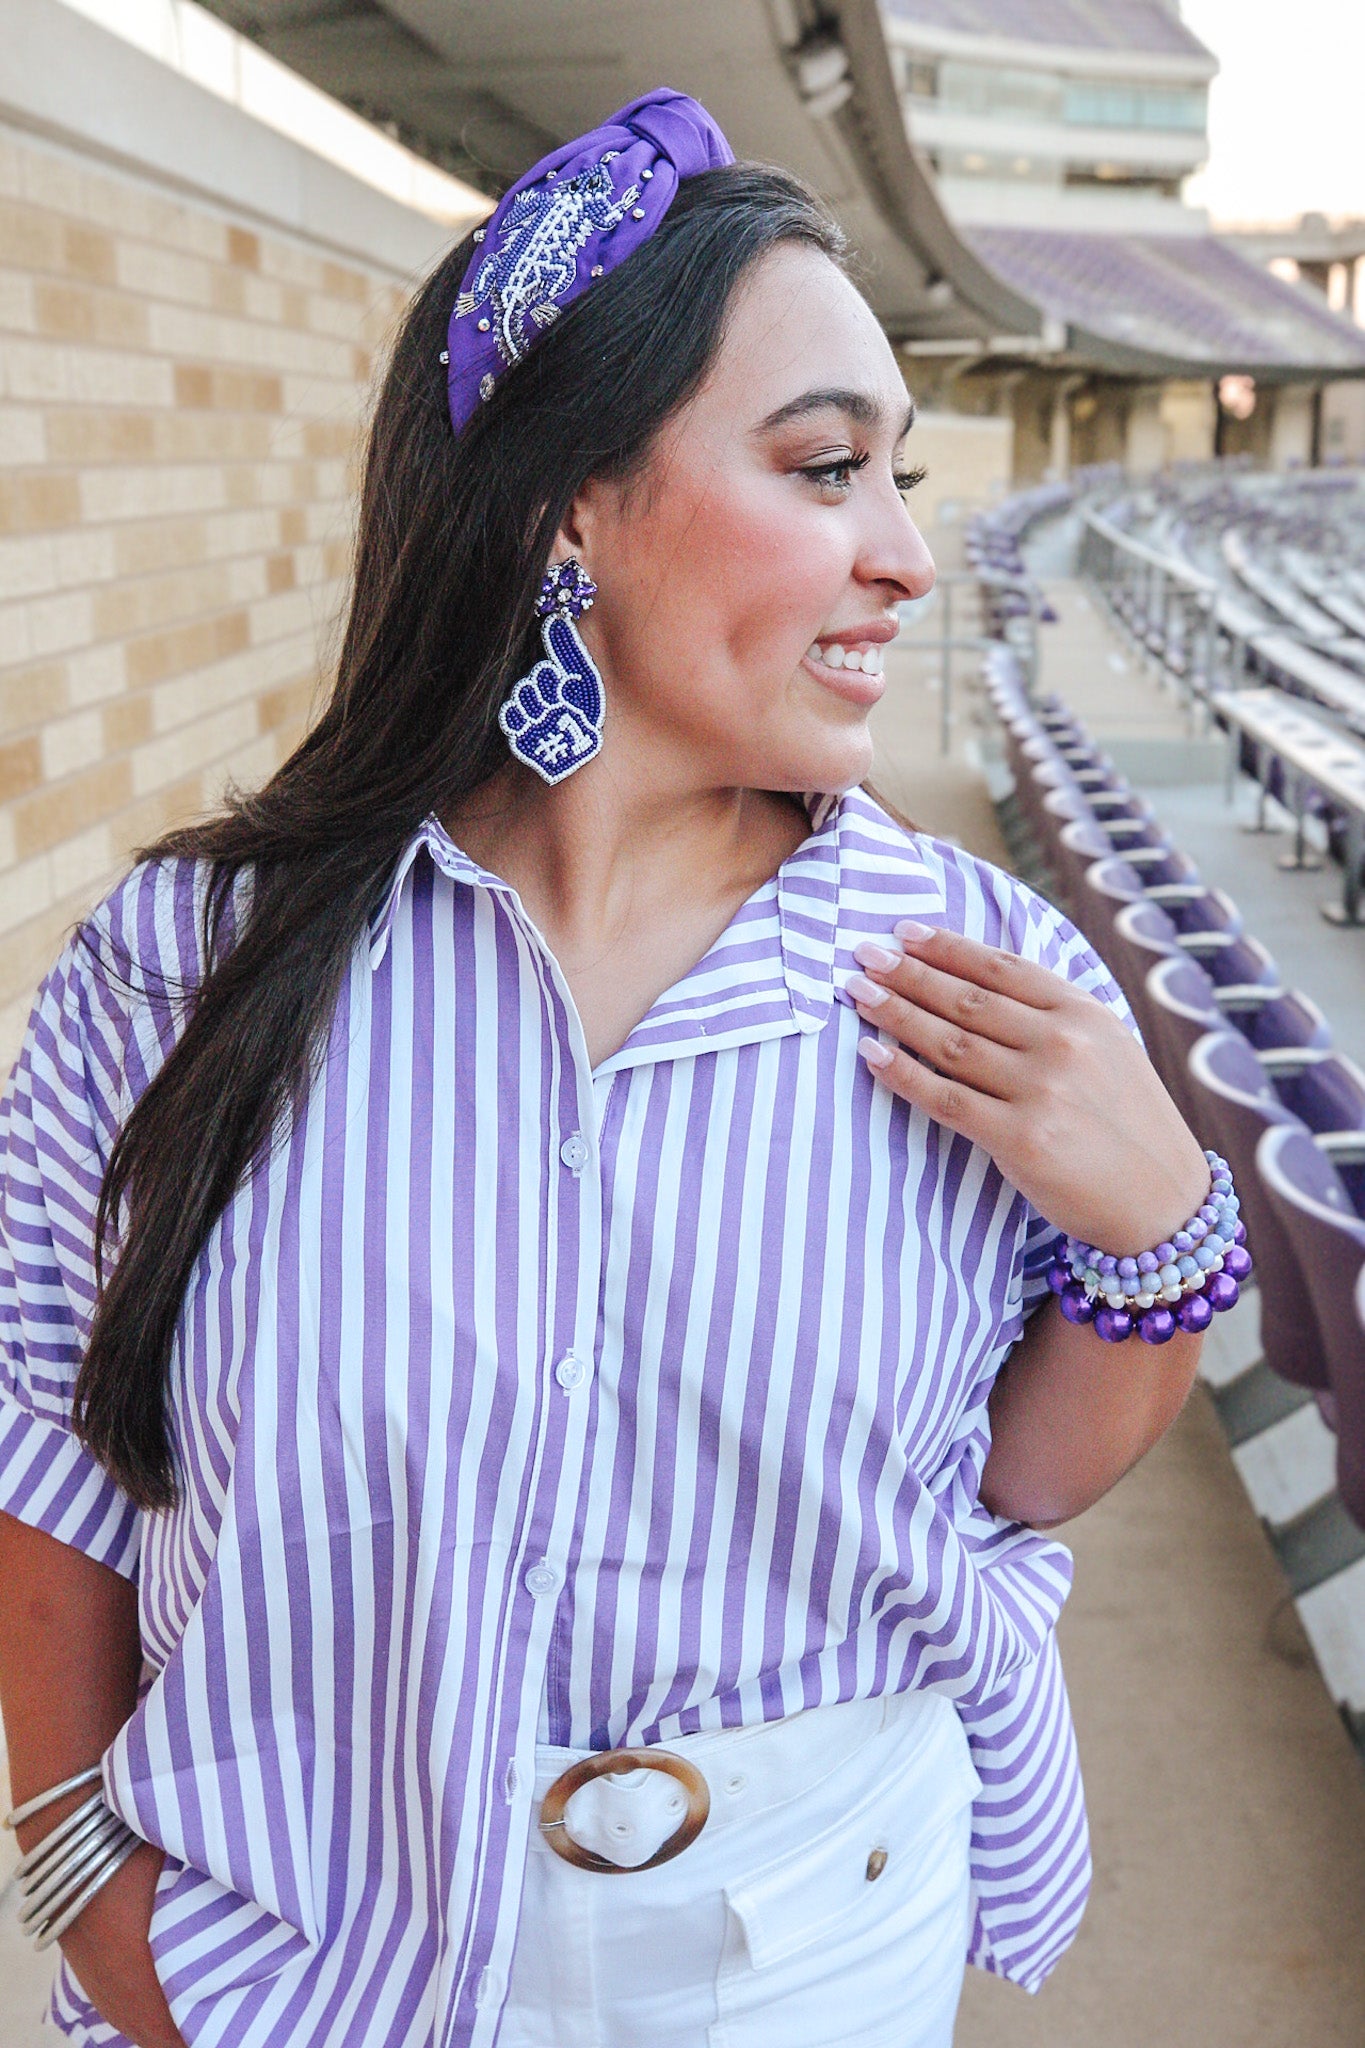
x=632, y=1809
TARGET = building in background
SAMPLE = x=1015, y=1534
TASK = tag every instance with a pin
x=1010, y=171
x=1060, y=133
x=1330, y=256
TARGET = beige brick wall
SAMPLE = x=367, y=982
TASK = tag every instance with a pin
x=180, y=396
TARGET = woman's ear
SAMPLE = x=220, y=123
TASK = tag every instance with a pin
x=582, y=525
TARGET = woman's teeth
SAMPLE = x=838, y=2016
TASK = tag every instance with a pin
x=835, y=656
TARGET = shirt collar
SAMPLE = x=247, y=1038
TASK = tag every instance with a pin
x=745, y=988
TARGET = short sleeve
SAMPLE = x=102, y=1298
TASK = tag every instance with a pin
x=58, y=1119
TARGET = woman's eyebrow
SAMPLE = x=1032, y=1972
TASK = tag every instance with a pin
x=855, y=405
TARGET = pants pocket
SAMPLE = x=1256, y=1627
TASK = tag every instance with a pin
x=859, y=1935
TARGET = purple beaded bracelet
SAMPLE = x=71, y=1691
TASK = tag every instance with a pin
x=1179, y=1285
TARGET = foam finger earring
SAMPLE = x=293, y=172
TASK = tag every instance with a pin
x=553, y=716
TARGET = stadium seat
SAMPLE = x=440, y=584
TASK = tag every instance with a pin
x=1328, y=1237
x=1235, y=1102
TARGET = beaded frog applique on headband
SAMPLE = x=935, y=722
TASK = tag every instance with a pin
x=535, y=262
x=570, y=220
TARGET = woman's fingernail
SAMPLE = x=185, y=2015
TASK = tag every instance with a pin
x=869, y=954
x=874, y=1052
x=866, y=992
x=909, y=929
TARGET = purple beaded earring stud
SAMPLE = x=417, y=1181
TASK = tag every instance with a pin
x=554, y=715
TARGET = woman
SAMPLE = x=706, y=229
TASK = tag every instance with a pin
x=552, y=1288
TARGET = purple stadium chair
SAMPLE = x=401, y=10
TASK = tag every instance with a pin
x=1077, y=846
x=1277, y=1020
x=1233, y=961
x=1142, y=935
x=1234, y=1104
x=1326, y=1091
x=1179, y=1002
x=1163, y=867
x=1193, y=909
x=1107, y=886
x=1328, y=1237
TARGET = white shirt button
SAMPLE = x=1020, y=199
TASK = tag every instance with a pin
x=574, y=1152
x=541, y=1579
x=571, y=1372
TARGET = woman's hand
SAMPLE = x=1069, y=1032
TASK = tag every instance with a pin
x=70, y=1655
x=108, y=1950
x=1045, y=1077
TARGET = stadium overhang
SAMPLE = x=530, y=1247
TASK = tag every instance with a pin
x=487, y=86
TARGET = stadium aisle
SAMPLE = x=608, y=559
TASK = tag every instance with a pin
x=1227, y=1803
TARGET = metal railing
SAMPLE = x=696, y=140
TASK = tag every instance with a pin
x=1203, y=637
x=947, y=642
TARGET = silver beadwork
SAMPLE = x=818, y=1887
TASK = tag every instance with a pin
x=486, y=385
x=637, y=213
x=484, y=326
x=445, y=355
x=534, y=263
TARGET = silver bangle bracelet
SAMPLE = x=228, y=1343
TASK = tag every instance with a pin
x=122, y=1848
x=61, y=1874
x=53, y=1793
x=54, y=1847
x=48, y=1880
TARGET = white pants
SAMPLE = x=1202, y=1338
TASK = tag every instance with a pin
x=768, y=1932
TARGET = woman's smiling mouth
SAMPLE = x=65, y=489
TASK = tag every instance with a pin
x=851, y=669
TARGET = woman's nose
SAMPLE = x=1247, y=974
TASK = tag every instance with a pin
x=897, y=556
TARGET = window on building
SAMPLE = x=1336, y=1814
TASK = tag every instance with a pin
x=1094, y=103
x=980, y=163
x=921, y=78
x=1124, y=177
x=995, y=90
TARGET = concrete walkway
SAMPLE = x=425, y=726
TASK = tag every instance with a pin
x=1227, y=1803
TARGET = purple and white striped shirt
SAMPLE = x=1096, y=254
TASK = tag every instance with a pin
x=518, y=1400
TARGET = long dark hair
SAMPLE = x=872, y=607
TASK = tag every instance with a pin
x=452, y=539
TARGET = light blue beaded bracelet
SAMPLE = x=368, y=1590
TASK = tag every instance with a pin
x=1178, y=1285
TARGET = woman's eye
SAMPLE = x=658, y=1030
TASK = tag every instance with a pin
x=906, y=479
x=837, y=475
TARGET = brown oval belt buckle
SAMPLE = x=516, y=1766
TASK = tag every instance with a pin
x=617, y=1762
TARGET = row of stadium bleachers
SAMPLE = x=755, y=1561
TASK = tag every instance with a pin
x=1251, y=1064
x=1283, y=681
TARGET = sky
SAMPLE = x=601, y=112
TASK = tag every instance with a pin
x=1287, y=112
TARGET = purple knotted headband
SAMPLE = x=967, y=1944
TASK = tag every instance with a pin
x=572, y=218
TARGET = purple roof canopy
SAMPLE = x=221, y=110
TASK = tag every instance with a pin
x=1186, y=297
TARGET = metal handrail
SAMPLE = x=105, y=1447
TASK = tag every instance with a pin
x=948, y=643
x=1152, y=558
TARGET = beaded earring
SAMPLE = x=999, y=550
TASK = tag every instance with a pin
x=553, y=716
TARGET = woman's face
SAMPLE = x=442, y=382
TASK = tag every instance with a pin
x=748, y=581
